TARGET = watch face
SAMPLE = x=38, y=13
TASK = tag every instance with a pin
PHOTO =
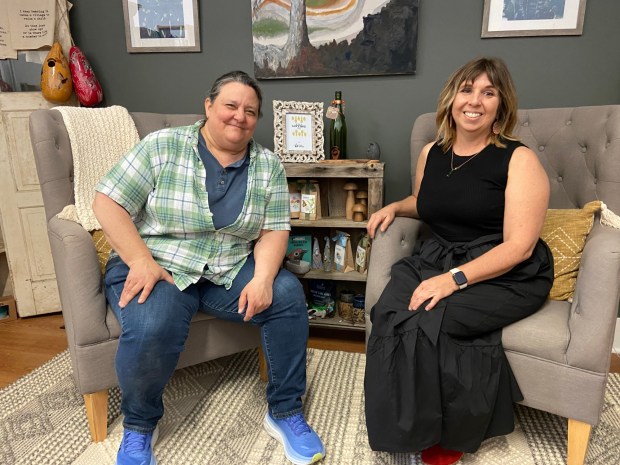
x=459, y=278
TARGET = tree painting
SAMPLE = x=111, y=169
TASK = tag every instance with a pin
x=316, y=38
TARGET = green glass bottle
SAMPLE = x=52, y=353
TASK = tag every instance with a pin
x=338, y=130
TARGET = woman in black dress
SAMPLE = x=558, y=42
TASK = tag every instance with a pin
x=437, y=379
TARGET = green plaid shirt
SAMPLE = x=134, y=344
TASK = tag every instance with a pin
x=161, y=183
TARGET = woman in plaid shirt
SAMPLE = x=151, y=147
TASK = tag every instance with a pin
x=198, y=218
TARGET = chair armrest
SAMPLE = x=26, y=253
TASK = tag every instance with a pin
x=595, y=304
x=387, y=248
x=79, y=282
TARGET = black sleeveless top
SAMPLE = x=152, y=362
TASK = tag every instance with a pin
x=470, y=202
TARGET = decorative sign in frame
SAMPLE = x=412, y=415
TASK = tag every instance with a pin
x=298, y=131
x=154, y=26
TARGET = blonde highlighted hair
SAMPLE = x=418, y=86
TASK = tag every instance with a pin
x=506, y=119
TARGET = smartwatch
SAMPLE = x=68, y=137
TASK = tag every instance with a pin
x=459, y=278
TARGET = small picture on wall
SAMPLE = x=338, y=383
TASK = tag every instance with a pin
x=512, y=18
x=161, y=26
x=321, y=38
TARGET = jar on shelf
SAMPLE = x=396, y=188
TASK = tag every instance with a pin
x=345, y=306
x=359, y=313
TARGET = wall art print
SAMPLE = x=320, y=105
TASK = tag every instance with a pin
x=161, y=26
x=322, y=38
x=514, y=18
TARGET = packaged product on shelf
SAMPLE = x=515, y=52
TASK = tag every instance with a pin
x=362, y=254
x=317, y=260
x=298, y=253
x=343, y=257
x=327, y=255
x=310, y=201
x=294, y=199
x=321, y=298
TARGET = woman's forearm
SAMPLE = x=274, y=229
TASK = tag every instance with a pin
x=119, y=229
x=269, y=252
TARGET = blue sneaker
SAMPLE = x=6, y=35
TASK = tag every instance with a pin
x=302, y=445
x=137, y=448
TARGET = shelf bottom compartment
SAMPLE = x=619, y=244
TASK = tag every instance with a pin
x=336, y=323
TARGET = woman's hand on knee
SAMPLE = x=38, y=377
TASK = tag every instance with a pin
x=435, y=289
x=143, y=275
x=256, y=296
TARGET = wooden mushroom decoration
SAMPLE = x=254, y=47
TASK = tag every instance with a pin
x=350, y=188
x=359, y=212
x=361, y=197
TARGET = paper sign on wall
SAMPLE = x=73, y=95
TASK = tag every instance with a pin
x=31, y=23
x=6, y=51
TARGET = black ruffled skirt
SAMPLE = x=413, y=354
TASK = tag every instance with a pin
x=441, y=377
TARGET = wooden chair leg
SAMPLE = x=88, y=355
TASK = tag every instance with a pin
x=262, y=365
x=97, y=413
x=578, y=438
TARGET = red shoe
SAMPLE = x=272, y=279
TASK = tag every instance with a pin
x=436, y=455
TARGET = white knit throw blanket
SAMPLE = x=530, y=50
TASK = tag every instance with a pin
x=99, y=138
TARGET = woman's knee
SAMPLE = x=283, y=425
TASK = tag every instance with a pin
x=288, y=289
x=166, y=313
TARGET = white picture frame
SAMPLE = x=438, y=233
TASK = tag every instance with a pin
x=155, y=26
x=501, y=18
x=298, y=131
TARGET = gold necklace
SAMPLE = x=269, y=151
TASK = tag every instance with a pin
x=452, y=168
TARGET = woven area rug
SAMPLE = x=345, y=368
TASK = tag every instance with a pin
x=214, y=413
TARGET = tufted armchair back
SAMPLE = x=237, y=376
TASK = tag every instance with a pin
x=577, y=146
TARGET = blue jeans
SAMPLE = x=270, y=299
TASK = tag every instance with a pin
x=153, y=335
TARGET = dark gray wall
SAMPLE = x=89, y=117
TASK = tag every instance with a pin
x=548, y=71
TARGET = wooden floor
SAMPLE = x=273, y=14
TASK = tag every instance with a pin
x=27, y=343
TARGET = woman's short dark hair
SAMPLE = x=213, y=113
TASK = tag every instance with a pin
x=240, y=77
x=500, y=78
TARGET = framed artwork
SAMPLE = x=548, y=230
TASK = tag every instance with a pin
x=161, y=26
x=306, y=39
x=298, y=131
x=513, y=18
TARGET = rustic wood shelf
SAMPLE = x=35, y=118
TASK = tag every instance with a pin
x=331, y=176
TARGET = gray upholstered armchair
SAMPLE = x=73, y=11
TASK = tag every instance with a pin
x=560, y=355
x=92, y=329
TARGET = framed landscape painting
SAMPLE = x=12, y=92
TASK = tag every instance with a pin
x=321, y=38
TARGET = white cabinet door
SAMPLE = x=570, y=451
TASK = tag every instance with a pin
x=21, y=207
